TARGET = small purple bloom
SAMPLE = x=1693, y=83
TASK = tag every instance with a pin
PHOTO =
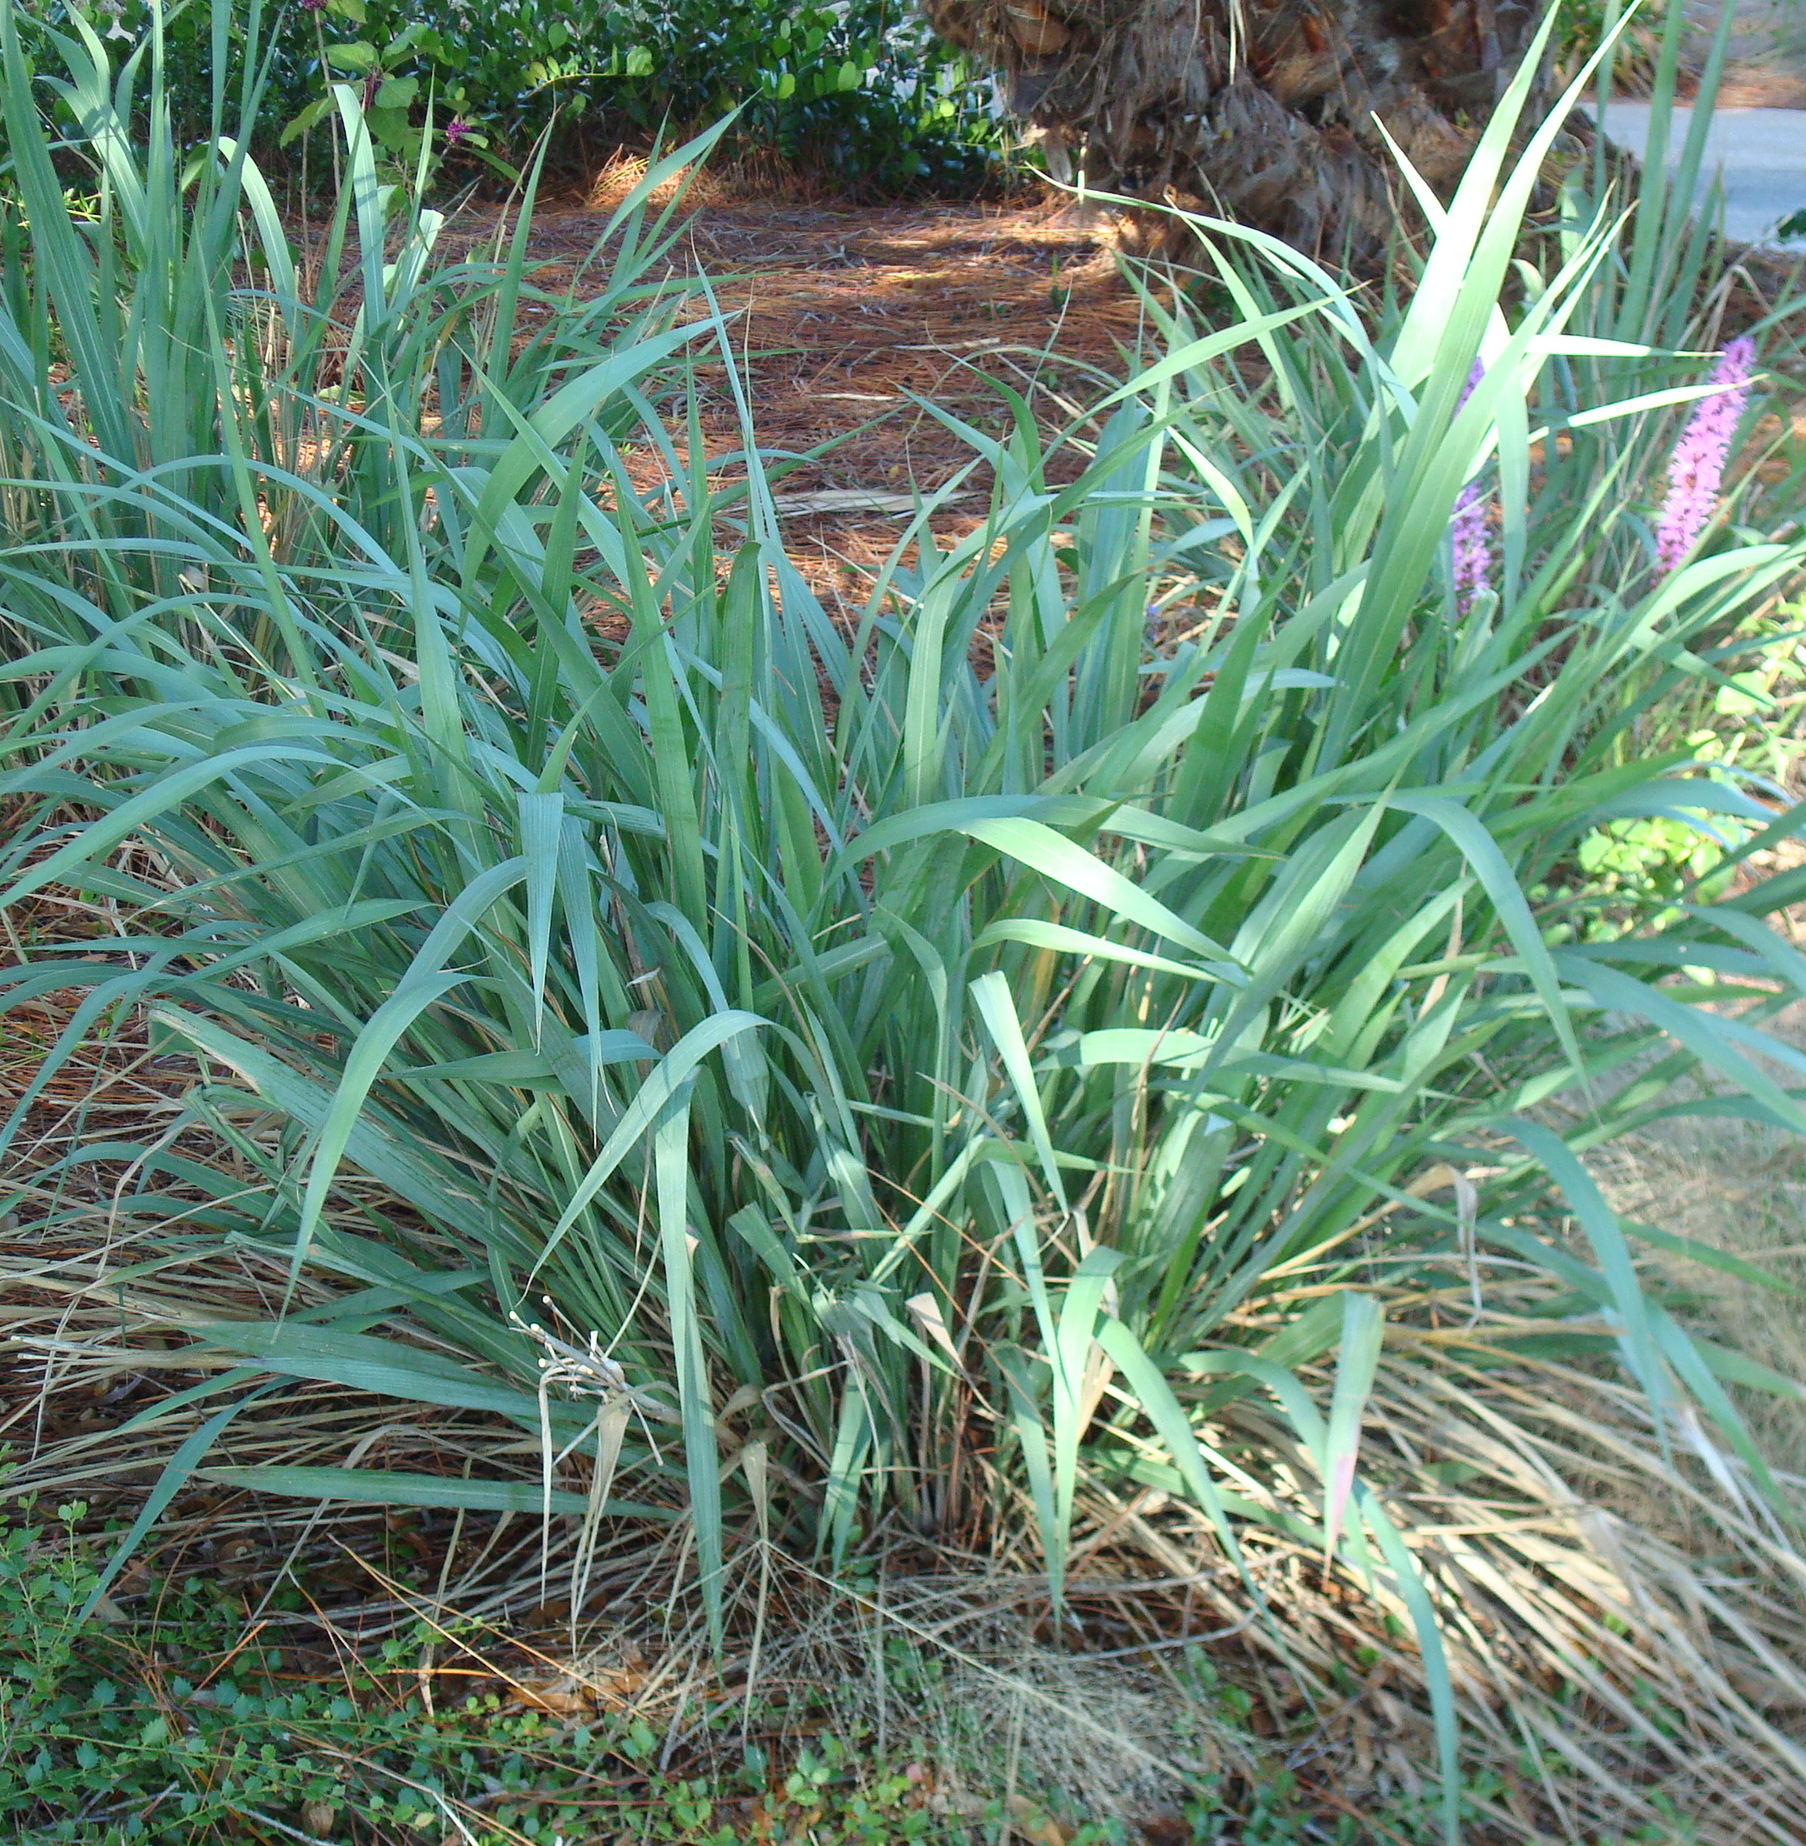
x=458, y=131
x=1697, y=469
x=1470, y=545
x=313, y=6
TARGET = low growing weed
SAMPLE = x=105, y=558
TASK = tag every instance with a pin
x=179, y=1723
x=177, y=1720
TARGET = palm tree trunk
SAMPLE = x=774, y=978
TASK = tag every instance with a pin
x=1258, y=110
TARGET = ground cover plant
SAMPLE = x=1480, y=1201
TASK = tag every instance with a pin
x=185, y=1722
x=1069, y=1055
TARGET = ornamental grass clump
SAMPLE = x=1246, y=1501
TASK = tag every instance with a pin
x=969, y=1076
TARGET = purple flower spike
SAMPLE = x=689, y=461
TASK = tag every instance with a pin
x=1470, y=545
x=1697, y=469
x=313, y=6
x=457, y=131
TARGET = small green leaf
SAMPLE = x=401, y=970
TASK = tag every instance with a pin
x=391, y=127
x=308, y=118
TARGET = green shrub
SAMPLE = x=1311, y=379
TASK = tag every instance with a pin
x=1660, y=860
x=862, y=90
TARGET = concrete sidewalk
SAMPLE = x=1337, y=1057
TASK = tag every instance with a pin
x=1761, y=154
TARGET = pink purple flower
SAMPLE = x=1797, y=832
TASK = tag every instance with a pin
x=313, y=6
x=458, y=131
x=1469, y=541
x=1697, y=469
x=1472, y=547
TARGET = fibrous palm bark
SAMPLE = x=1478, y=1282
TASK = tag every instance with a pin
x=1260, y=110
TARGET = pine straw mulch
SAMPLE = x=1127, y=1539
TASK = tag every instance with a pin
x=843, y=320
